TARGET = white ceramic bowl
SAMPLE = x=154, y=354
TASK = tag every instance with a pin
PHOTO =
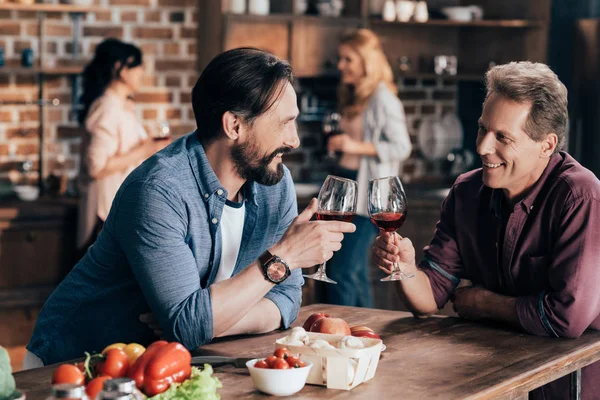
x=458, y=13
x=27, y=192
x=278, y=382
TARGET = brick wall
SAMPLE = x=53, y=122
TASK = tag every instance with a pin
x=164, y=29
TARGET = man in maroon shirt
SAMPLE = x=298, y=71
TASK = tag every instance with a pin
x=524, y=229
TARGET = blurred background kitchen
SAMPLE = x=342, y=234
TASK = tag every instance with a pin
x=439, y=51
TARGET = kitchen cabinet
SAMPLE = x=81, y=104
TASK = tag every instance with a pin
x=511, y=30
x=314, y=48
x=37, y=244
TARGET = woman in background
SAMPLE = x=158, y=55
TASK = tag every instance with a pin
x=115, y=142
x=373, y=145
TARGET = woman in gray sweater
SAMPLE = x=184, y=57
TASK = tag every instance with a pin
x=373, y=144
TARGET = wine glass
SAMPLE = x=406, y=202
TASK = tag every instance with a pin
x=388, y=208
x=163, y=131
x=336, y=202
x=331, y=127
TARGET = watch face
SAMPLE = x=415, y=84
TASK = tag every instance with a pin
x=276, y=271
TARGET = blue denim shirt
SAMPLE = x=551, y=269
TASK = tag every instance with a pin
x=159, y=251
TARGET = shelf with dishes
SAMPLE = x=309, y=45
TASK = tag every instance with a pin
x=67, y=8
x=67, y=70
x=483, y=23
x=288, y=17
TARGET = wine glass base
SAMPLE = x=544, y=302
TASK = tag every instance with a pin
x=318, y=276
x=396, y=276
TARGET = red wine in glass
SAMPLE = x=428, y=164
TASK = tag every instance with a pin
x=335, y=216
x=336, y=202
x=387, y=208
x=389, y=221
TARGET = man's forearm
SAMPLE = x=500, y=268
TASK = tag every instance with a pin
x=499, y=308
x=263, y=317
x=416, y=294
x=232, y=299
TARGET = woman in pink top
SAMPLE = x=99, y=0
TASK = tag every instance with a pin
x=115, y=142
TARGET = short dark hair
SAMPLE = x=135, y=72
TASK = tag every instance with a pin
x=536, y=83
x=244, y=81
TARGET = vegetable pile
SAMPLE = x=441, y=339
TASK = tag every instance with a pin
x=161, y=372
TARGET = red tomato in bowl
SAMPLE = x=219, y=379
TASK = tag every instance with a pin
x=271, y=361
x=280, y=363
x=261, y=364
x=295, y=362
x=282, y=352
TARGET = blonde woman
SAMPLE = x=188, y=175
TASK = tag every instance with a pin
x=373, y=144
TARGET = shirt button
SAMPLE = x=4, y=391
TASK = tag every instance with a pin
x=206, y=195
x=220, y=192
x=214, y=221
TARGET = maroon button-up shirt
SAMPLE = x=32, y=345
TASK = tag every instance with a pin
x=548, y=256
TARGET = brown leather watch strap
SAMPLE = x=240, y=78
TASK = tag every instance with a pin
x=265, y=257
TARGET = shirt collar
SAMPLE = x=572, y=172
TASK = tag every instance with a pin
x=205, y=175
x=527, y=201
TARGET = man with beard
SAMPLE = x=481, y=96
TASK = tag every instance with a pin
x=204, y=235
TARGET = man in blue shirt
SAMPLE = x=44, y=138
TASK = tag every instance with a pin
x=175, y=243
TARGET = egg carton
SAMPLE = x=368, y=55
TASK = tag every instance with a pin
x=338, y=368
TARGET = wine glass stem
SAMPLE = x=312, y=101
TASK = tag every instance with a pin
x=323, y=268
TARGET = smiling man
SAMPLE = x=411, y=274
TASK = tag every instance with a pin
x=205, y=235
x=524, y=229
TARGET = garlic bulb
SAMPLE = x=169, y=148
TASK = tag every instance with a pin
x=299, y=334
x=321, y=344
x=351, y=342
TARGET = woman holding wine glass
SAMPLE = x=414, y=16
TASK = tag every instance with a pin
x=373, y=144
x=115, y=141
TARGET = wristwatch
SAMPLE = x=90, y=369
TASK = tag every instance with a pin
x=274, y=268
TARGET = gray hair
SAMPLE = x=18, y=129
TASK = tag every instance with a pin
x=535, y=83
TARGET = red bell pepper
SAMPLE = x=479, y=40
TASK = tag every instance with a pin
x=161, y=364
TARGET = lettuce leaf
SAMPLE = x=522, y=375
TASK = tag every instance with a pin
x=200, y=386
x=7, y=381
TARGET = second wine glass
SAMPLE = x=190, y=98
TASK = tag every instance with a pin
x=388, y=209
x=336, y=202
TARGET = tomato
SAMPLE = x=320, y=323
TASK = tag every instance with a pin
x=68, y=373
x=271, y=361
x=295, y=362
x=116, y=364
x=113, y=346
x=280, y=363
x=133, y=351
x=282, y=352
x=261, y=364
x=95, y=386
x=81, y=366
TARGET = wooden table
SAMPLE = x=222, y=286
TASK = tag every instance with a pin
x=433, y=358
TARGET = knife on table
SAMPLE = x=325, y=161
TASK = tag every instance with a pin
x=217, y=361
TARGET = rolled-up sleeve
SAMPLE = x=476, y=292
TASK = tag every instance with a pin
x=572, y=301
x=102, y=126
x=151, y=224
x=287, y=296
x=442, y=262
x=397, y=147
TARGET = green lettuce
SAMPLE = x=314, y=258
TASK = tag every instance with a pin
x=200, y=386
x=7, y=381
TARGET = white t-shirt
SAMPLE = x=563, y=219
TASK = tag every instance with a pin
x=232, y=227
